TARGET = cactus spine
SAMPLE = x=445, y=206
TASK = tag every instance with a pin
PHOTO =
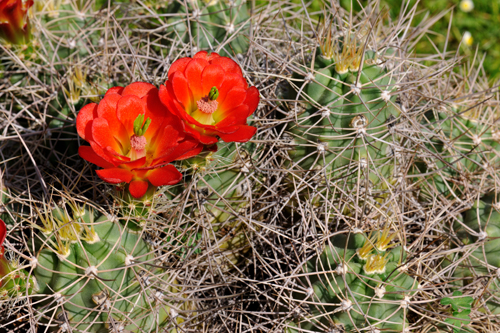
x=356, y=283
x=479, y=233
x=97, y=274
x=219, y=192
x=344, y=133
x=212, y=24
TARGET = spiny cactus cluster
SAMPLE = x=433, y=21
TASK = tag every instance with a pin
x=237, y=166
x=364, y=277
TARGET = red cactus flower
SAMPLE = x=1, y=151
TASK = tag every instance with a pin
x=211, y=97
x=14, y=22
x=3, y=234
x=4, y=264
x=133, y=137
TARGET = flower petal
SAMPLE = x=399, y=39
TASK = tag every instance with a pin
x=234, y=98
x=138, y=188
x=173, y=153
x=135, y=164
x=229, y=117
x=166, y=95
x=104, y=154
x=167, y=175
x=89, y=155
x=208, y=140
x=3, y=232
x=115, y=175
x=244, y=134
x=107, y=110
x=128, y=108
x=114, y=90
x=181, y=90
x=178, y=66
x=193, y=75
x=102, y=135
x=206, y=56
x=231, y=81
x=84, y=121
x=158, y=114
x=252, y=100
x=229, y=65
x=212, y=76
x=198, y=149
x=139, y=89
x=165, y=142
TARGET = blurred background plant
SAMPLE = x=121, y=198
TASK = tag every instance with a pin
x=475, y=22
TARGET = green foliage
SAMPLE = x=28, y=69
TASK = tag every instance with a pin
x=461, y=310
x=217, y=189
x=462, y=148
x=457, y=303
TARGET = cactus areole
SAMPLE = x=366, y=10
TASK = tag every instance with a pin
x=134, y=137
x=99, y=274
x=209, y=94
x=14, y=22
x=359, y=282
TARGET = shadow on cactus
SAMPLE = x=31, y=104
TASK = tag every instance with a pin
x=218, y=200
x=359, y=282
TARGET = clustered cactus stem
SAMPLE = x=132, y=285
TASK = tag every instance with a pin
x=238, y=166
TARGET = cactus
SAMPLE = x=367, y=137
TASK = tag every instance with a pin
x=14, y=282
x=218, y=195
x=344, y=132
x=478, y=262
x=356, y=283
x=220, y=25
x=94, y=273
x=463, y=148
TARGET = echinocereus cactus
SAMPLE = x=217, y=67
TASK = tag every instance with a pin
x=356, y=283
x=134, y=138
x=476, y=257
x=343, y=133
x=463, y=150
x=211, y=98
x=14, y=21
x=95, y=274
x=13, y=281
x=218, y=192
x=221, y=25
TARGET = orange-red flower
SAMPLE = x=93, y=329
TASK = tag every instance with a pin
x=133, y=137
x=3, y=234
x=4, y=264
x=211, y=97
x=14, y=22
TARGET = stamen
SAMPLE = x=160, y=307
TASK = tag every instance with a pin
x=207, y=106
x=138, y=142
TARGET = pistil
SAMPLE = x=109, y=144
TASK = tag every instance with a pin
x=209, y=104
